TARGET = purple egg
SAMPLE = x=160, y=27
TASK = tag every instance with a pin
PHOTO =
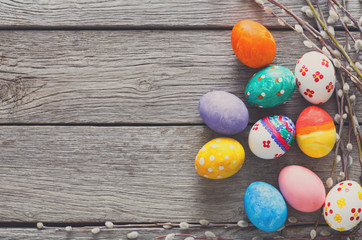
x=223, y=112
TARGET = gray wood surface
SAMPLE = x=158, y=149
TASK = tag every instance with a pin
x=150, y=233
x=99, y=118
x=140, y=13
x=139, y=77
x=127, y=174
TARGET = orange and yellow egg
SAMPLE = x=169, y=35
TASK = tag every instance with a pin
x=220, y=158
x=316, y=132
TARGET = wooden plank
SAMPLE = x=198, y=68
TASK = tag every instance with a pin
x=128, y=174
x=151, y=233
x=140, y=77
x=141, y=13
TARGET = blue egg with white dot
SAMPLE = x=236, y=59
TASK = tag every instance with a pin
x=265, y=206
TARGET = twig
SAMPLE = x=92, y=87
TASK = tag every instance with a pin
x=348, y=15
x=339, y=46
x=317, y=35
x=343, y=24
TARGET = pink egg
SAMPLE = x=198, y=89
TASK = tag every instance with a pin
x=302, y=188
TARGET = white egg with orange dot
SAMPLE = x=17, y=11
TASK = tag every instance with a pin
x=220, y=158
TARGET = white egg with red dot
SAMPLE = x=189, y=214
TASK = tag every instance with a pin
x=316, y=77
x=271, y=137
x=343, y=206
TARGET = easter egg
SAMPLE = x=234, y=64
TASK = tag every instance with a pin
x=223, y=112
x=316, y=77
x=253, y=44
x=272, y=136
x=343, y=206
x=220, y=158
x=265, y=206
x=316, y=133
x=270, y=87
x=301, y=188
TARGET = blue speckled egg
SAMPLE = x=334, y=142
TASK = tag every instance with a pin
x=270, y=87
x=223, y=112
x=265, y=206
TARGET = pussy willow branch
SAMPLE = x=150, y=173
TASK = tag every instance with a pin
x=348, y=15
x=346, y=161
x=195, y=237
x=342, y=23
x=173, y=225
x=200, y=226
x=337, y=236
x=340, y=128
x=350, y=110
x=339, y=46
x=305, y=24
x=320, y=11
x=349, y=34
x=345, y=95
x=317, y=35
x=336, y=44
x=357, y=135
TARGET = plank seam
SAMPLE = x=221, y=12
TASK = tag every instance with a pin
x=138, y=28
x=112, y=124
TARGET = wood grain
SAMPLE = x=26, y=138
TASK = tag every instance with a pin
x=137, y=77
x=151, y=233
x=128, y=174
x=141, y=13
x=132, y=75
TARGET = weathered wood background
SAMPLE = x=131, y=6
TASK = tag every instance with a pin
x=99, y=119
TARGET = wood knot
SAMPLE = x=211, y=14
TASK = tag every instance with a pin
x=145, y=86
x=12, y=89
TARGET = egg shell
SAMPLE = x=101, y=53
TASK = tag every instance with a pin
x=220, y=158
x=253, y=44
x=265, y=206
x=316, y=77
x=223, y=112
x=316, y=132
x=270, y=87
x=301, y=188
x=343, y=206
x=271, y=136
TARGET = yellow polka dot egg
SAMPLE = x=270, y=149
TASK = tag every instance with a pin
x=220, y=158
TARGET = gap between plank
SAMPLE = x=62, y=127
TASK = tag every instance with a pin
x=113, y=124
x=104, y=124
x=138, y=28
x=75, y=224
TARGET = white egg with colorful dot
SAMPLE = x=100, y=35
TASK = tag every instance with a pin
x=343, y=206
x=315, y=77
x=272, y=136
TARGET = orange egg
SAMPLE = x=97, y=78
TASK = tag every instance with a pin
x=253, y=44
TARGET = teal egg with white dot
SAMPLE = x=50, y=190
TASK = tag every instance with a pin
x=270, y=87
